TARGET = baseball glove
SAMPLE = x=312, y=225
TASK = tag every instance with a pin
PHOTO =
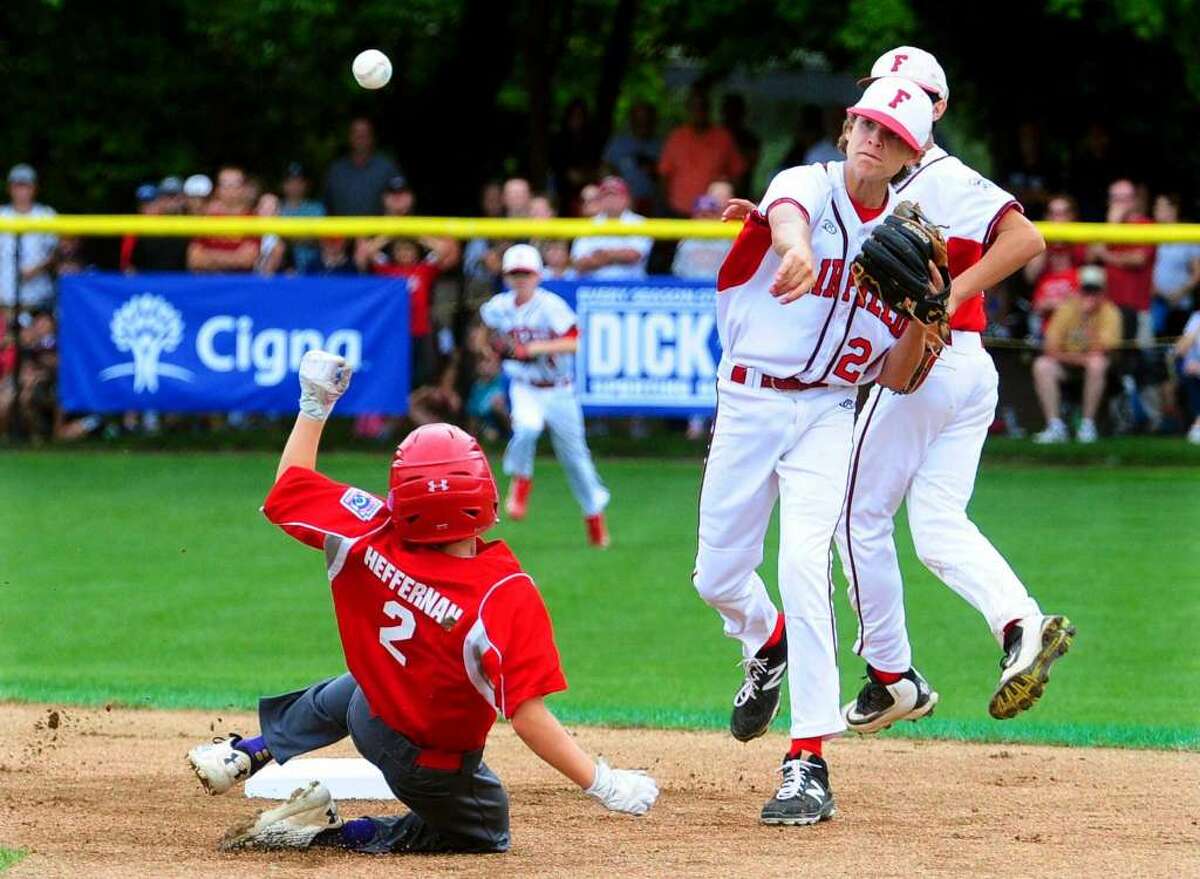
x=894, y=265
x=510, y=349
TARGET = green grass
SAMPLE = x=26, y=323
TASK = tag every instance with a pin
x=10, y=857
x=152, y=579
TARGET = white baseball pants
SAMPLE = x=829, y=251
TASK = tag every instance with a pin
x=792, y=446
x=925, y=446
x=533, y=409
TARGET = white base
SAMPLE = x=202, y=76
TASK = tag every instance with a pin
x=348, y=778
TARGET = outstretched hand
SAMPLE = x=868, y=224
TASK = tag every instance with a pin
x=324, y=377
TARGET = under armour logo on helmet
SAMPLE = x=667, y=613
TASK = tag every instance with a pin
x=438, y=485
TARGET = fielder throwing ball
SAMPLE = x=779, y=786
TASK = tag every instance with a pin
x=440, y=631
x=925, y=447
x=797, y=339
x=536, y=333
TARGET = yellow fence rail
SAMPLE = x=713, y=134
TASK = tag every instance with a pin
x=467, y=227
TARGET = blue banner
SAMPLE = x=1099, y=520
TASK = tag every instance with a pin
x=218, y=343
x=646, y=347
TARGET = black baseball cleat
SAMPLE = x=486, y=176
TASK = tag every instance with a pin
x=757, y=702
x=804, y=797
x=879, y=705
x=1031, y=646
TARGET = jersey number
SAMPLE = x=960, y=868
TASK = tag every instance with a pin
x=857, y=357
x=389, y=635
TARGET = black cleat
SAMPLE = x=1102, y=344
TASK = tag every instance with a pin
x=879, y=705
x=1030, y=648
x=757, y=702
x=804, y=797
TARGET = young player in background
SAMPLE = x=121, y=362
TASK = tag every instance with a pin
x=440, y=631
x=797, y=338
x=537, y=334
x=926, y=446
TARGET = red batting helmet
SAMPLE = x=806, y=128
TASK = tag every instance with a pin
x=441, y=487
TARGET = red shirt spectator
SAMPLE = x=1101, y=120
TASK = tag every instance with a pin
x=225, y=254
x=421, y=278
x=1130, y=266
x=695, y=155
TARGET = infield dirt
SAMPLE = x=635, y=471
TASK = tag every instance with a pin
x=94, y=792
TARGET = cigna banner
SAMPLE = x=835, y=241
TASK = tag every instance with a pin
x=217, y=343
x=646, y=347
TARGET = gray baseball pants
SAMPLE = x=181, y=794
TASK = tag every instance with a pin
x=463, y=810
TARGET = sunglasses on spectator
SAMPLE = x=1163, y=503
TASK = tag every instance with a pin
x=520, y=272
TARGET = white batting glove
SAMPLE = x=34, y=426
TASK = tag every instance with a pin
x=323, y=378
x=623, y=790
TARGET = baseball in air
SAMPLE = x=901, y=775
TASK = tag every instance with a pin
x=372, y=69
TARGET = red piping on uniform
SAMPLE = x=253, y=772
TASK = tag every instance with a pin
x=792, y=201
x=917, y=173
x=850, y=318
x=989, y=236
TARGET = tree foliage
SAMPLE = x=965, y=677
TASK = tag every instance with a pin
x=101, y=96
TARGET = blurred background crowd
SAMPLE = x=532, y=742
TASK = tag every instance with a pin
x=1107, y=334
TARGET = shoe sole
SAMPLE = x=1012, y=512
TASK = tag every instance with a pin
x=759, y=732
x=205, y=781
x=242, y=835
x=877, y=725
x=780, y=821
x=1022, y=691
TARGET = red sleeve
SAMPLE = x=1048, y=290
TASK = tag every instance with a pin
x=310, y=506
x=518, y=627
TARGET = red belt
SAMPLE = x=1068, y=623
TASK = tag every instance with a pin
x=447, y=760
x=739, y=374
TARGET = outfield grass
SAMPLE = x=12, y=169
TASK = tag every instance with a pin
x=10, y=857
x=152, y=579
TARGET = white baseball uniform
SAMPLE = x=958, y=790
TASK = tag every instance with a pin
x=542, y=393
x=926, y=446
x=784, y=428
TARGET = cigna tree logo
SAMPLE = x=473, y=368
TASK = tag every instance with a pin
x=146, y=326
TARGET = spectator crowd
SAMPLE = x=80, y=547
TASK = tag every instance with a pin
x=1094, y=316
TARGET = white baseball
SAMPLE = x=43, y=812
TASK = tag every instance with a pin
x=372, y=69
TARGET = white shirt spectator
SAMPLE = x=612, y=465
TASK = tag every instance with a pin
x=630, y=271
x=1192, y=355
x=36, y=248
x=699, y=259
x=1173, y=266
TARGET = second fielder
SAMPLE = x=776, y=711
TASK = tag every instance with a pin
x=926, y=446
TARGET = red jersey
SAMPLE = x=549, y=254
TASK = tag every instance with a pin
x=421, y=278
x=970, y=207
x=439, y=644
x=1131, y=287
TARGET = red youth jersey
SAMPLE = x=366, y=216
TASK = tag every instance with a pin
x=439, y=644
x=953, y=195
x=420, y=278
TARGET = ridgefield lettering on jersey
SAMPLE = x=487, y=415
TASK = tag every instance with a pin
x=424, y=598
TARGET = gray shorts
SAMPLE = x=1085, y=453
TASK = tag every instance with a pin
x=460, y=810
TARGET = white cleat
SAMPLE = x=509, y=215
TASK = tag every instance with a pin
x=293, y=824
x=1033, y=645
x=219, y=765
x=879, y=705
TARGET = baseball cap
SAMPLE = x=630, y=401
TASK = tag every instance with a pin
x=170, y=186
x=397, y=183
x=1092, y=277
x=912, y=63
x=613, y=186
x=146, y=192
x=22, y=173
x=293, y=170
x=905, y=111
x=705, y=203
x=197, y=186
x=522, y=258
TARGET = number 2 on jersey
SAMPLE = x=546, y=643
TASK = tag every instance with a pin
x=389, y=635
x=856, y=357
